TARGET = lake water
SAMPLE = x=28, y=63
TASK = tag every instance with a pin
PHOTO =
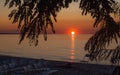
x=57, y=47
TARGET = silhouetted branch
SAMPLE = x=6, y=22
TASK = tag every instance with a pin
x=97, y=8
x=110, y=29
x=34, y=16
x=98, y=43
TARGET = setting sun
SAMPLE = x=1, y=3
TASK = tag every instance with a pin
x=72, y=32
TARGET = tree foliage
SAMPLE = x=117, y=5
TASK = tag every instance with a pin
x=101, y=11
x=34, y=16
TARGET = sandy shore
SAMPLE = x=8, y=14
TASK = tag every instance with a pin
x=26, y=66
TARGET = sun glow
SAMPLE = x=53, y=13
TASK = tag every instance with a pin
x=72, y=32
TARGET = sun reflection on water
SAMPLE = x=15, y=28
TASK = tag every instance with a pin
x=72, y=51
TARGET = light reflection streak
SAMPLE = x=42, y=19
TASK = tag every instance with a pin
x=72, y=51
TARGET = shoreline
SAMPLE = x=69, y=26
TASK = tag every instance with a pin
x=54, y=67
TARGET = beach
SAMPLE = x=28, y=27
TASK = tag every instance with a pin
x=60, y=37
x=65, y=56
x=10, y=65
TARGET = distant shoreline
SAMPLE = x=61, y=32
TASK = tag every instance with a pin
x=51, y=33
x=9, y=33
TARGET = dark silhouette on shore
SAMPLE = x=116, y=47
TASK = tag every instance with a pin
x=34, y=16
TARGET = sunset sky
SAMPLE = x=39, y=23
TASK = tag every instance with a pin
x=69, y=19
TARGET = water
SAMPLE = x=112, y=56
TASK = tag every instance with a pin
x=57, y=47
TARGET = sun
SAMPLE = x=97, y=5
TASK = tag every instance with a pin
x=73, y=32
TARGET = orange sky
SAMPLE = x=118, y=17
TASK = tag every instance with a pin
x=67, y=20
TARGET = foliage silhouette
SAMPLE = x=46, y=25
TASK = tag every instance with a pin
x=34, y=16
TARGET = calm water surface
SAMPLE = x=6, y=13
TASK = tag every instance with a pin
x=57, y=47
